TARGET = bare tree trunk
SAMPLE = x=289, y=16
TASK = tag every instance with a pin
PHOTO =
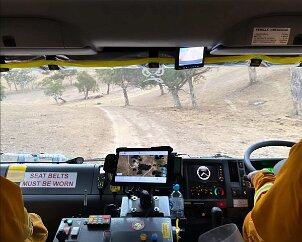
x=56, y=99
x=192, y=94
x=176, y=99
x=296, y=88
x=62, y=99
x=124, y=87
x=15, y=84
x=162, y=92
x=32, y=83
x=86, y=95
x=108, y=88
x=9, y=85
x=252, y=75
x=126, y=96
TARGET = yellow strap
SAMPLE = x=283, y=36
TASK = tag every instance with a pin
x=260, y=191
x=88, y=63
x=270, y=59
x=144, y=61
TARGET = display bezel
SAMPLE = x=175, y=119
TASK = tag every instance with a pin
x=145, y=184
x=190, y=66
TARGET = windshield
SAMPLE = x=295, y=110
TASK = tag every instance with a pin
x=199, y=112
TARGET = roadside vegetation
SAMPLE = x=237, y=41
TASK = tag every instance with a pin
x=169, y=81
x=2, y=94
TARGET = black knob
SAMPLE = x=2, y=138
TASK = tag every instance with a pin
x=217, y=215
x=110, y=209
x=145, y=200
x=61, y=235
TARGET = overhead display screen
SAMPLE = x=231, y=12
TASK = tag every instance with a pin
x=190, y=57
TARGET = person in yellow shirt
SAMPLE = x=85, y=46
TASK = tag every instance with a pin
x=277, y=212
x=16, y=224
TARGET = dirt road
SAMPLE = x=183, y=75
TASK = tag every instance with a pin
x=135, y=128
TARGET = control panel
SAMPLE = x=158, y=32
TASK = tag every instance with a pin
x=200, y=191
x=215, y=183
x=104, y=228
x=206, y=181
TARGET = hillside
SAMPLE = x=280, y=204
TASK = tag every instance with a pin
x=231, y=115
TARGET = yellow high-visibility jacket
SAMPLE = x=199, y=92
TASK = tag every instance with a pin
x=277, y=213
x=16, y=225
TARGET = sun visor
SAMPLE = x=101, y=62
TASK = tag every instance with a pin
x=272, y=35
x=37, y=36
x=286, y=50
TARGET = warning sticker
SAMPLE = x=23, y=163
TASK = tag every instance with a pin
x=270, y=36
x=50, y=179
x=240, y=203
x=165, y=227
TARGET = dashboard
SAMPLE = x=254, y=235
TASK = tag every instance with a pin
x=212, y=183
x=204, y=182
x=215, y=183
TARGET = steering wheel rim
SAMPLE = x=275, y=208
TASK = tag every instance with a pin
x=252, y=148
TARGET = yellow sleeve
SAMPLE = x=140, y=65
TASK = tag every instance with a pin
x=277, y=216
x=16, y=224
x=263, y=181
x=13, y=218
x=39, y=233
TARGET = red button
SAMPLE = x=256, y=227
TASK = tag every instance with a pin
x=106, y=216
x=221, y=204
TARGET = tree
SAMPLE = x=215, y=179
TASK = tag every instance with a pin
x=69, y=74
x=126, y=77
x=252, y=75
x=9, y=84
x=161, y=87
x=11, y=78
x=296, y=88
x=105, y=76
x=123, y=77
x=153, y=78
x=86, y=83
x=2, y=94
x=192, y=75
x=54, y=87
x=175, y=80
x=19, y=77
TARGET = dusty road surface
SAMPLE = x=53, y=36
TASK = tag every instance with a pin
x=200, y=133
x=135, y=128
x=30, y=123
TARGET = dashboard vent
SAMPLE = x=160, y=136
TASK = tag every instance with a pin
x=234, y=176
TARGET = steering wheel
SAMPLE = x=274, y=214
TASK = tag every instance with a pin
x=252, y=148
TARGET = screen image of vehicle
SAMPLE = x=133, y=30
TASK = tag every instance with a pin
x=142, y=167
x=204, y=173
x=191, y=56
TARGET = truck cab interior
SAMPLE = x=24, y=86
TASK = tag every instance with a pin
x=52, y=35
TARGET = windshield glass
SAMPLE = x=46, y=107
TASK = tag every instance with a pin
x=200, y=112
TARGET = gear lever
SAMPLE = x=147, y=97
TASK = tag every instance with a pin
x=217, y=215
